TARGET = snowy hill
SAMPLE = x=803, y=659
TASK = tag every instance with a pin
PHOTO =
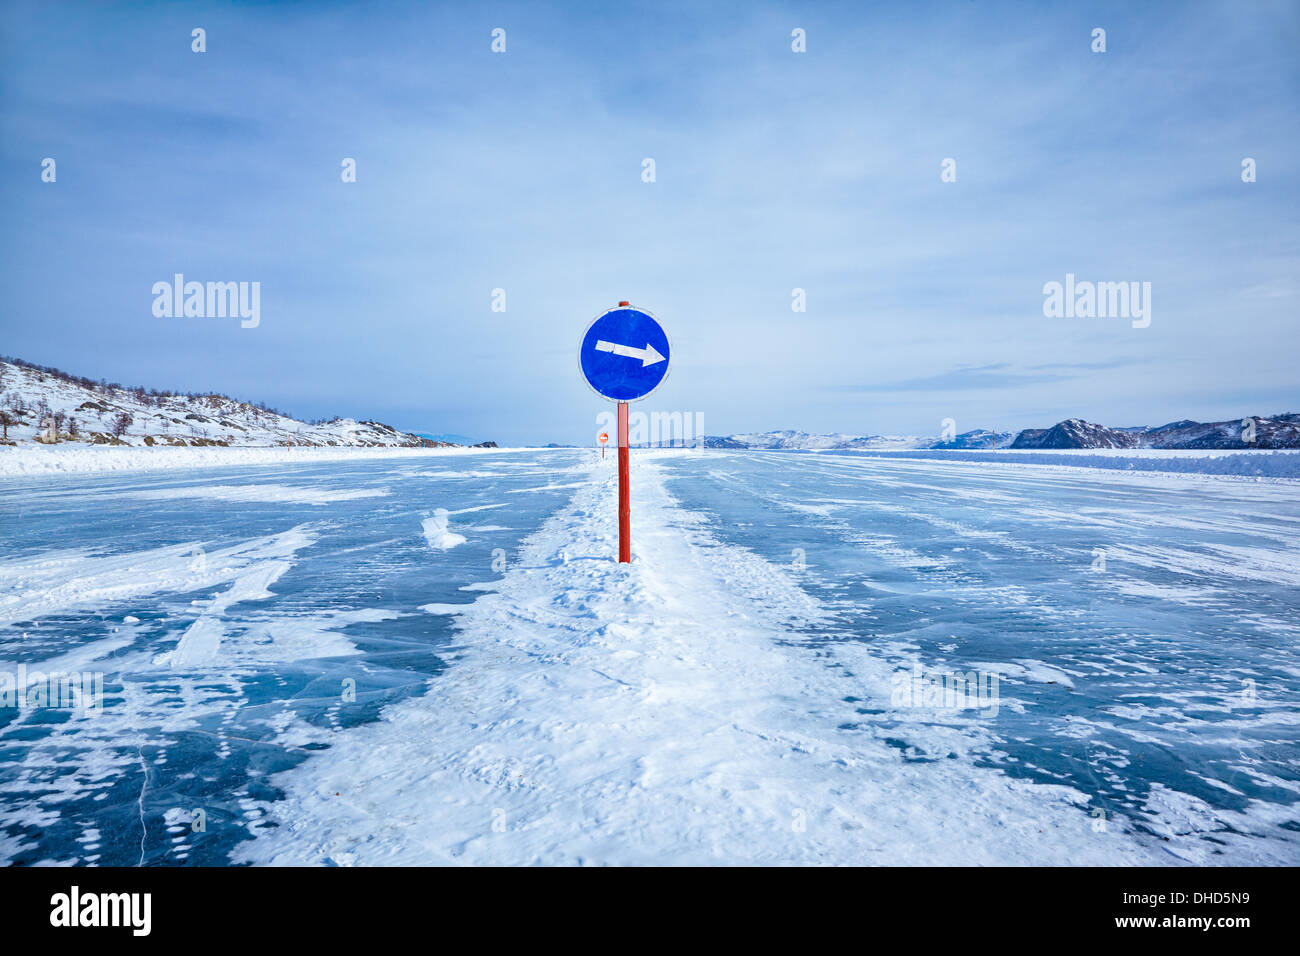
x=1076, y=433
x=1280, y=431
x=448, y=438
x=42, y=405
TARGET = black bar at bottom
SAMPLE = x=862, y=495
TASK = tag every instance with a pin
x=940, y=907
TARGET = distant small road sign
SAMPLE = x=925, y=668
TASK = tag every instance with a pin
x=602, y=437
x=625, y=354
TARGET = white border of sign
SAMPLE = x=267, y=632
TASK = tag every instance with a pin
x=619, y=308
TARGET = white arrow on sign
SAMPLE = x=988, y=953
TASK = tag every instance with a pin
x=648, y=355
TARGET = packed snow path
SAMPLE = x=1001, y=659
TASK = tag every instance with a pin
x=663, y=712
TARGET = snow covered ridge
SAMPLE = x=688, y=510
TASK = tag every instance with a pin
x=1255, y=432
x=33, y=459
x=1259, y=465
x=40, y=405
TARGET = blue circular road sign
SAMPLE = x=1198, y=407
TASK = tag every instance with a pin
x=625, y=354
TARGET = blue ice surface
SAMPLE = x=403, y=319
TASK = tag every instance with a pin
x=958, y=566
x=99, y=789
x=1182, y=676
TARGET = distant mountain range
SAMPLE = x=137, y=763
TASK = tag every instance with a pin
x=1278, y=431
x=804, y=441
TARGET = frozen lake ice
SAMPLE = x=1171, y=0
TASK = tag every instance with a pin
x=435, y=659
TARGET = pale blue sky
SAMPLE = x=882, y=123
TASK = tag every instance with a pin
x=775, y=170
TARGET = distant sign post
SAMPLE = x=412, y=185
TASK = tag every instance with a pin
x=624, y=356
x=602, y=438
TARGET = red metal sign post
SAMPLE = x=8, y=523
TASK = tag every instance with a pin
x=624, y=356
x=624, y=490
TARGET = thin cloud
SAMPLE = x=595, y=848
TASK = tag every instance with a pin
x=1000, y=375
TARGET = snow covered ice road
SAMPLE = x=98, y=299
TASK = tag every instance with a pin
x=730, y=697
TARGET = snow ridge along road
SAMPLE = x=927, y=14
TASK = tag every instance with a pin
x=69, y=458
x=671, y=711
